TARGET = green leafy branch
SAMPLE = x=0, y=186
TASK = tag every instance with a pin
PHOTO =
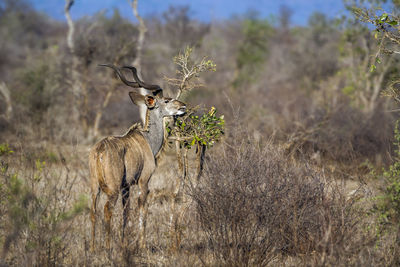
x=386, y=30
x=387, y=33
x=193, y=130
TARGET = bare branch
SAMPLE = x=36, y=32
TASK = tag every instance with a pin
x=6, y=94
x=189, y=71
x=71, y=27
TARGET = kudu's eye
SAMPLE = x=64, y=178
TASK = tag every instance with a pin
x=166, y=101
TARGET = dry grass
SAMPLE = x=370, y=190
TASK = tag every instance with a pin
x=253, y=206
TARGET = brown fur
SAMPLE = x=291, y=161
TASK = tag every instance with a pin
x=117, y=162
x=127, y=158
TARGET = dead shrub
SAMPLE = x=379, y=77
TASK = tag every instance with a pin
x=254, y=205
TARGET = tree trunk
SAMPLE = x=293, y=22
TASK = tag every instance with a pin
x=74, y=73
x=138, y=59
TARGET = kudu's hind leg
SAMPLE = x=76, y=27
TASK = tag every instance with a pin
x=95, y=199
x=108, y=209
x=142, y=204
x=126, y=207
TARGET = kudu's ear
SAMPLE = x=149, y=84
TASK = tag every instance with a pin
x=139, y=99
x=150, y=101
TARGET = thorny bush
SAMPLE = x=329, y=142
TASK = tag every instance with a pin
x=255, y=205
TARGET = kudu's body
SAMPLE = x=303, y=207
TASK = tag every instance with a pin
x=117, y=162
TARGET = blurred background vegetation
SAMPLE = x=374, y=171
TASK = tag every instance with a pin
x=310, y=85
x=315, y=94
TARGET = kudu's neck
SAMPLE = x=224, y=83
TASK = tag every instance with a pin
x=154, y=129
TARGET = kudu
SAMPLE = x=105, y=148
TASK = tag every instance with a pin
x=117, y=162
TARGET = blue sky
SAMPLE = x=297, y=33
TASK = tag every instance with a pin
x=205, y=10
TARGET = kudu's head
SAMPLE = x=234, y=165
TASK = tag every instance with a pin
x=166, y=106
x=155, y=101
